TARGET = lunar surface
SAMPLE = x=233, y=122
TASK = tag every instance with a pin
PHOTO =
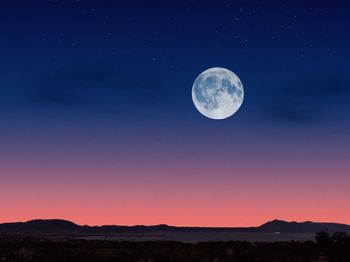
x=217, y=93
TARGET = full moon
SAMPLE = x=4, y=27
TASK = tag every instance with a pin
x=217, y=93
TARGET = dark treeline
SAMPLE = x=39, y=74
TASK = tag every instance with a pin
x=326, y=248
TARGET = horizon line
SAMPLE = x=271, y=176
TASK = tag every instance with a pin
x=169, y=225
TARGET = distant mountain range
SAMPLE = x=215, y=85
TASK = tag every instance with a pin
x=57, y=226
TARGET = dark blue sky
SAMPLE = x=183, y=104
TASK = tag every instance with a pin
x=93, y=79
x=104, y=56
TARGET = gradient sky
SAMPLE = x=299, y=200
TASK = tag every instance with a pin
x=97, y=123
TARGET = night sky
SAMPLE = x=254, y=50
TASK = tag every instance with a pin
x=97, y=123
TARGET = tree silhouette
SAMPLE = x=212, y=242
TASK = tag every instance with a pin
x=323, y=240
x=339, y=237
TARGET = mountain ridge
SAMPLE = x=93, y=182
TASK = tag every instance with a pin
x=46, y=226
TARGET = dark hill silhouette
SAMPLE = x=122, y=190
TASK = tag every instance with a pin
x=62, y=226
x=40, y=226
x=303, y=227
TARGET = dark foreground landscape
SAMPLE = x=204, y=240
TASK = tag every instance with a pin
x=334, y=248
x=59, y=240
